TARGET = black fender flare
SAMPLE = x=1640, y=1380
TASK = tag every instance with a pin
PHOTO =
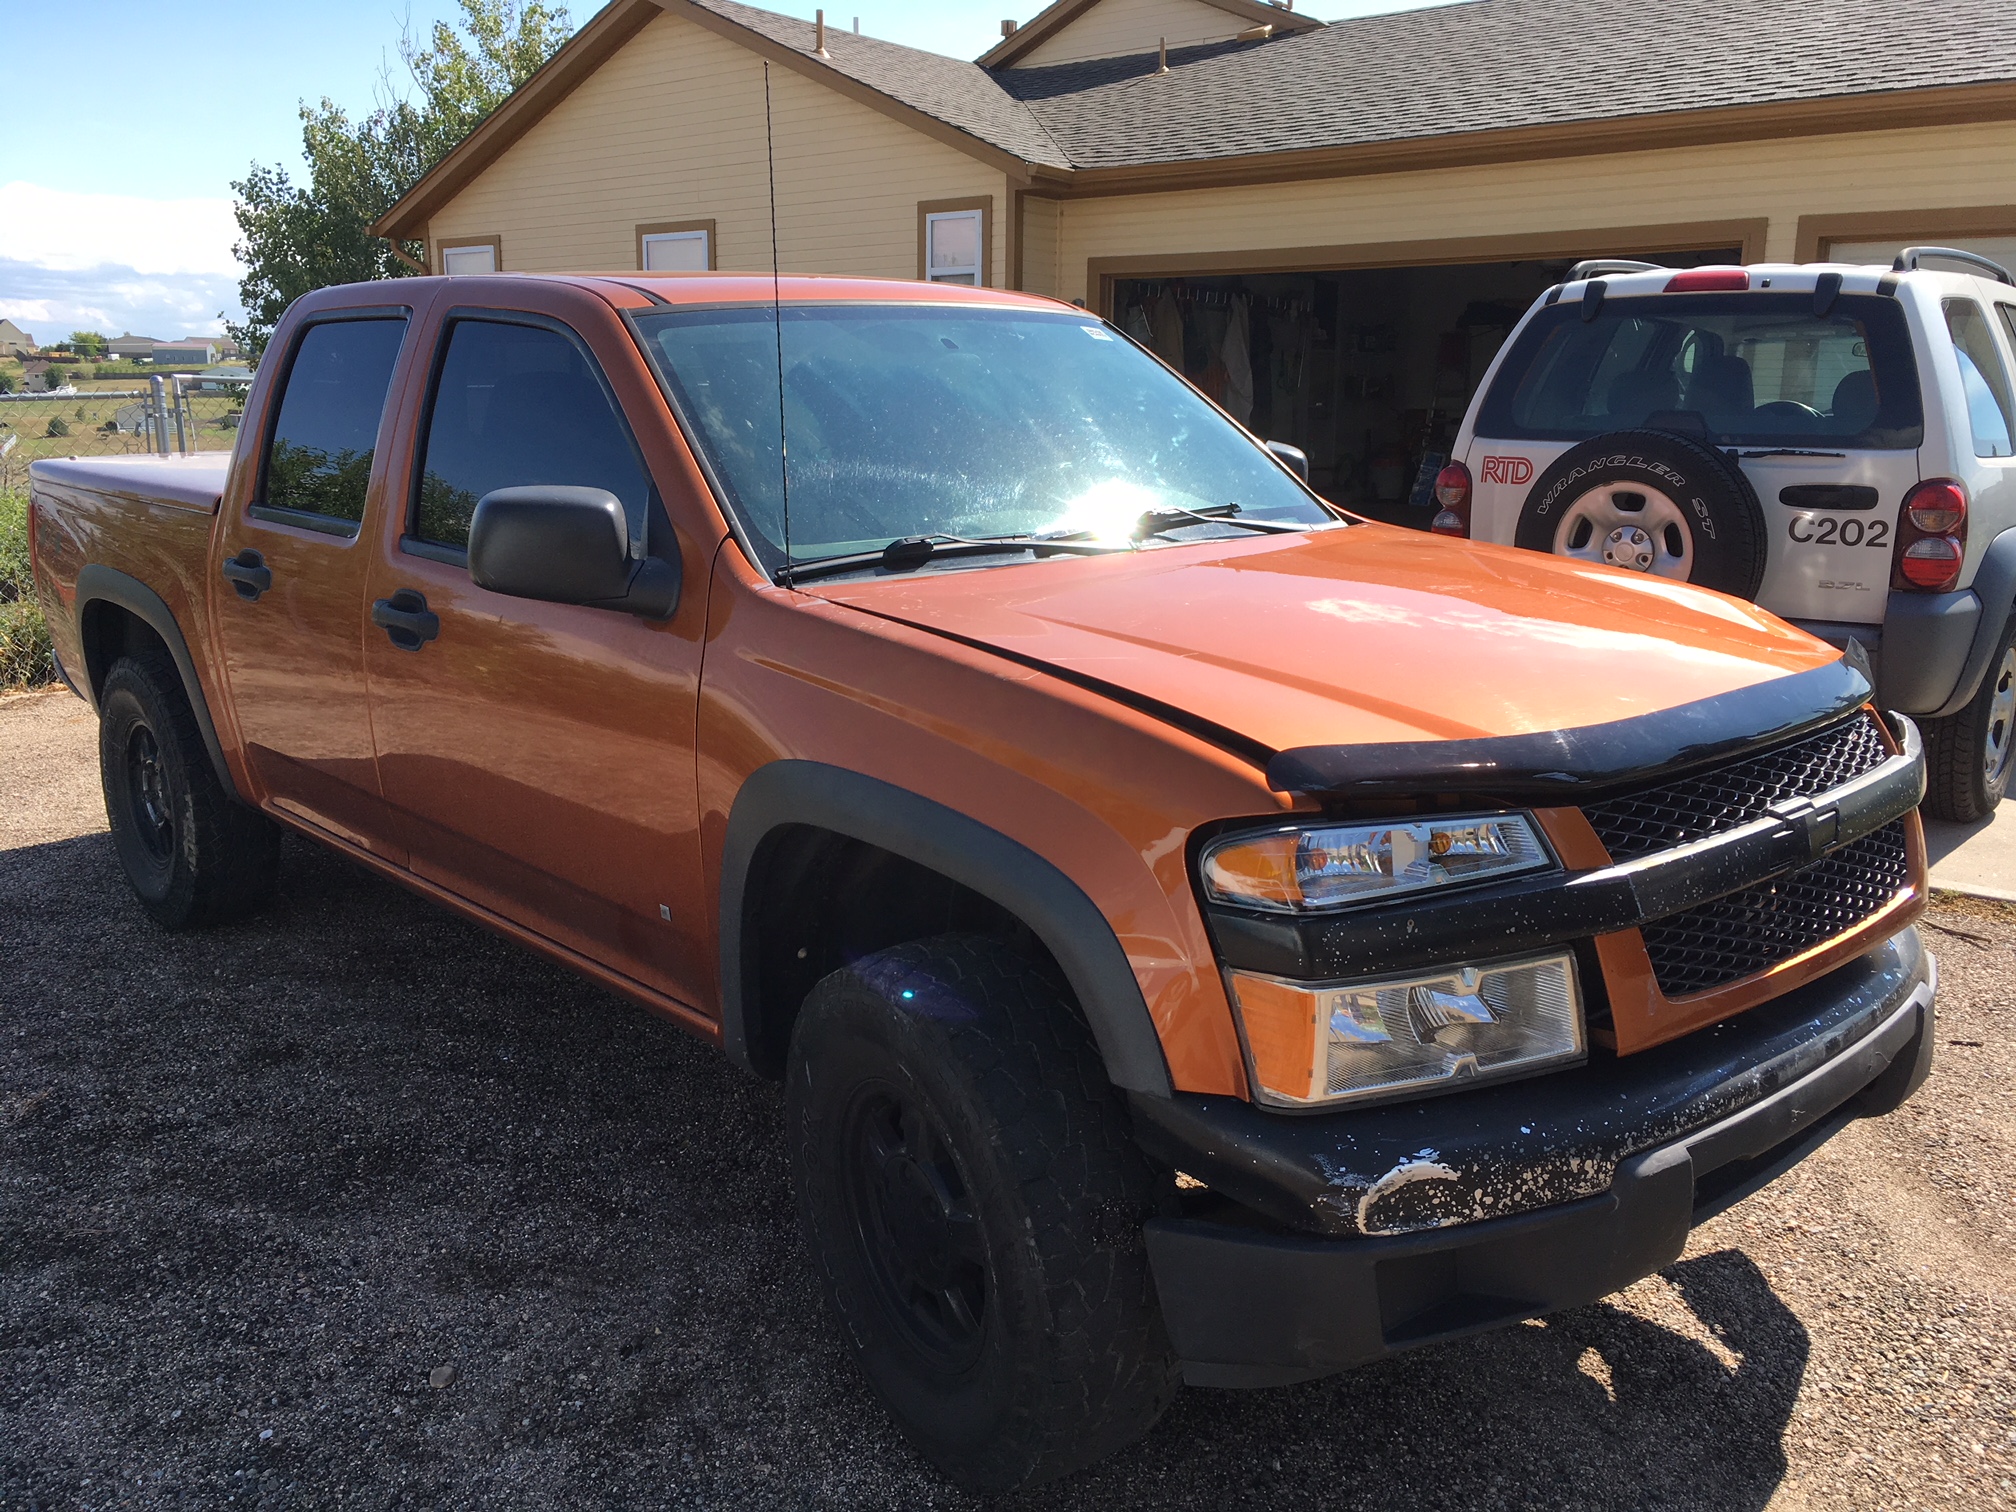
x=1055, y=908
x=101, y=584
x=1995, y=586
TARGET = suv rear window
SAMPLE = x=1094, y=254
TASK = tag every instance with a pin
x=1743, y=369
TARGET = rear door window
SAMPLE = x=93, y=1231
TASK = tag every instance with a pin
x=318, y=458
x=1741, y=369
x=515, y=405
x=1982, y=376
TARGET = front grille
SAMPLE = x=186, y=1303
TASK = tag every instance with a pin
x=1751, y=930
x=1707, y=803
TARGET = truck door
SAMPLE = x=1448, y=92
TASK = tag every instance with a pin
x=293, y=565
x=539, y=758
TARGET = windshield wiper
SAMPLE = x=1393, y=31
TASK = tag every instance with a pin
x=1167, y=517
x=912, y=552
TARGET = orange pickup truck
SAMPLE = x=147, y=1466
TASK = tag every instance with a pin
x=1201, y=935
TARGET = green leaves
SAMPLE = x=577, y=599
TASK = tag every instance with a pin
x=302, y=237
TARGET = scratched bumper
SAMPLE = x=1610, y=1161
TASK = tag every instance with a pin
x=1473, y=1211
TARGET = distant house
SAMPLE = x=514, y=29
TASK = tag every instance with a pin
x=198, y=351
x=226, y=347
x=14, y=342
x=131, y=348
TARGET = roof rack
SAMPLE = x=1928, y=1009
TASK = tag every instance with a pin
x=1907, y=261
x=1595, y=265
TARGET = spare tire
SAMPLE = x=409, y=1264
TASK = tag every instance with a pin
x=1650, y=501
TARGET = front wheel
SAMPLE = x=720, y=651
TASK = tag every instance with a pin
x=969, y=1190
x=193, y=854
x=1970, y=754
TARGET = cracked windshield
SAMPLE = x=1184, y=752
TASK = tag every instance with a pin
x=958, y=424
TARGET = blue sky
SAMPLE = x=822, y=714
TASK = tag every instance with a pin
x=115, y=188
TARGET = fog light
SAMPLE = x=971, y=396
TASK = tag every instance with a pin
x=1357, y=1041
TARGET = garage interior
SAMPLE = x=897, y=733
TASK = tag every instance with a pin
x=1368, y=370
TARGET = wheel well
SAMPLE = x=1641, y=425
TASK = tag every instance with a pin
x=111, y=631
x=818, y=900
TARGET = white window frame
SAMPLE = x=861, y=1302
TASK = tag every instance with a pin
x=965, y=272
x=669, y=238
x=452, y=250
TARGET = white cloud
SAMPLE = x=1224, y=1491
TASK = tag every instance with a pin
x=62, y=231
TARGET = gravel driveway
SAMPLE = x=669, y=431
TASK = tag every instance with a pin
x=262, y=1189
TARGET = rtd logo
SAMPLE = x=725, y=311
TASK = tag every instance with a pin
x=1512, y=470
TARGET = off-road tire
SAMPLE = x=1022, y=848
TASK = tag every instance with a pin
x=1729, y=537
x=1068, y=1360
x=193, y=854
x=1958, y=784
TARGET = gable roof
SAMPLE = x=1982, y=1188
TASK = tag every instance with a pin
x=1490, y=80
x=1047, y=24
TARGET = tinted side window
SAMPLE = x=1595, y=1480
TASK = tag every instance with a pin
x=516, y=405
x=1984, y=378
x=319, y=460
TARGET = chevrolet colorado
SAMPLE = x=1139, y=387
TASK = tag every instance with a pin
x=1201, y=935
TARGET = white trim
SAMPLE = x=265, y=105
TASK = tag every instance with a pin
x=451, y=255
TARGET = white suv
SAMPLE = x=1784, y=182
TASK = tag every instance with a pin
x=1837, y=443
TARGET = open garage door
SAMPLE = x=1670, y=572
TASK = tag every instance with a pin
x=1368, y=370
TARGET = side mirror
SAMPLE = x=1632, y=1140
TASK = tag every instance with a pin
x=566, y=546
x=1293, y=458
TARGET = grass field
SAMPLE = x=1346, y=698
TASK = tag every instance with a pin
x=25, y=660
x=84, y=424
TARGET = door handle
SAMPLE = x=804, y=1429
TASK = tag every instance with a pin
x=248, y=573
x=406, y=619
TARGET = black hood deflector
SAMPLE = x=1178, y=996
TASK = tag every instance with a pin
x=1571, y=765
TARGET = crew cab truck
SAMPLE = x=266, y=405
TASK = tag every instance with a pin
x=1836, y=442
x=1201, y=936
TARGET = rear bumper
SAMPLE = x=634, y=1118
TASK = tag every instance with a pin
x=1249, y=1304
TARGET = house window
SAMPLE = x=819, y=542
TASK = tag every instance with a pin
x=471, y=256
x=676, y=247
x=953, y=244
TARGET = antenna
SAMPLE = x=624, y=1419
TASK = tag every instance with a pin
x=777, y=325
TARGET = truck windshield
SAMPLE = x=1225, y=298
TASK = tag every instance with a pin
x=1743, y=369
x=948, y=420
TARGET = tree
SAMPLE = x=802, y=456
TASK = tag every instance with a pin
x=57, y=426
x=303, y=237
x=52, y=378
x=87, y=343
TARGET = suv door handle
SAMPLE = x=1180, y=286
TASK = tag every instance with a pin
x=406, y=619
x=248, y=573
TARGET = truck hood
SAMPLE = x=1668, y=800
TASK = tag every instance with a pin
x=1358, y=635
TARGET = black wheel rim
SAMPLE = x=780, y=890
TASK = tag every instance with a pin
x=920, y=1239
x=147, y=795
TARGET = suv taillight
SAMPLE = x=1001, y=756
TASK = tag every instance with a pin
x=1931, y=537
x=1452, y=494
x=1708, y=281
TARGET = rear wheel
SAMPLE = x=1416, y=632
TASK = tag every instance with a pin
x=193, y=854
x=971, y=1194
x=1652, y=502
x=1970, y=754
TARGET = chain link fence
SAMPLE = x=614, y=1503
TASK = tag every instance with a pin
x=183, y=413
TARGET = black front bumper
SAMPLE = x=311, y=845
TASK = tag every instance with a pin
x=1598, y=1174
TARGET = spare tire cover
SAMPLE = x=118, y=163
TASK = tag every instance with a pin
x=1652, y=501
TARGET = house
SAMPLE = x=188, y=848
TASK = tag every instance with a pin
x=131, y=348
x=14, y=342
x=193, y=351
x=1367, y=204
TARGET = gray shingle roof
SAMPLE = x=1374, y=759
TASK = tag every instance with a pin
x=1483, y=66
x=958, y=93
x=1497, y=64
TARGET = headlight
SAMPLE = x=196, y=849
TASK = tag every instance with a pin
x=1301, y=870
x=1354, y=1041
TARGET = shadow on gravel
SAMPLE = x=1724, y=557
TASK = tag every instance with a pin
x=256, y=1184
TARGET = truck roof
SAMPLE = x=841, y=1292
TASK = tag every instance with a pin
x=635, y=290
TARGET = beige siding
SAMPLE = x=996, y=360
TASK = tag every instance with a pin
x=671, y=129
x=1042, y=226
x=1779, y=180
x=1117, y=28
